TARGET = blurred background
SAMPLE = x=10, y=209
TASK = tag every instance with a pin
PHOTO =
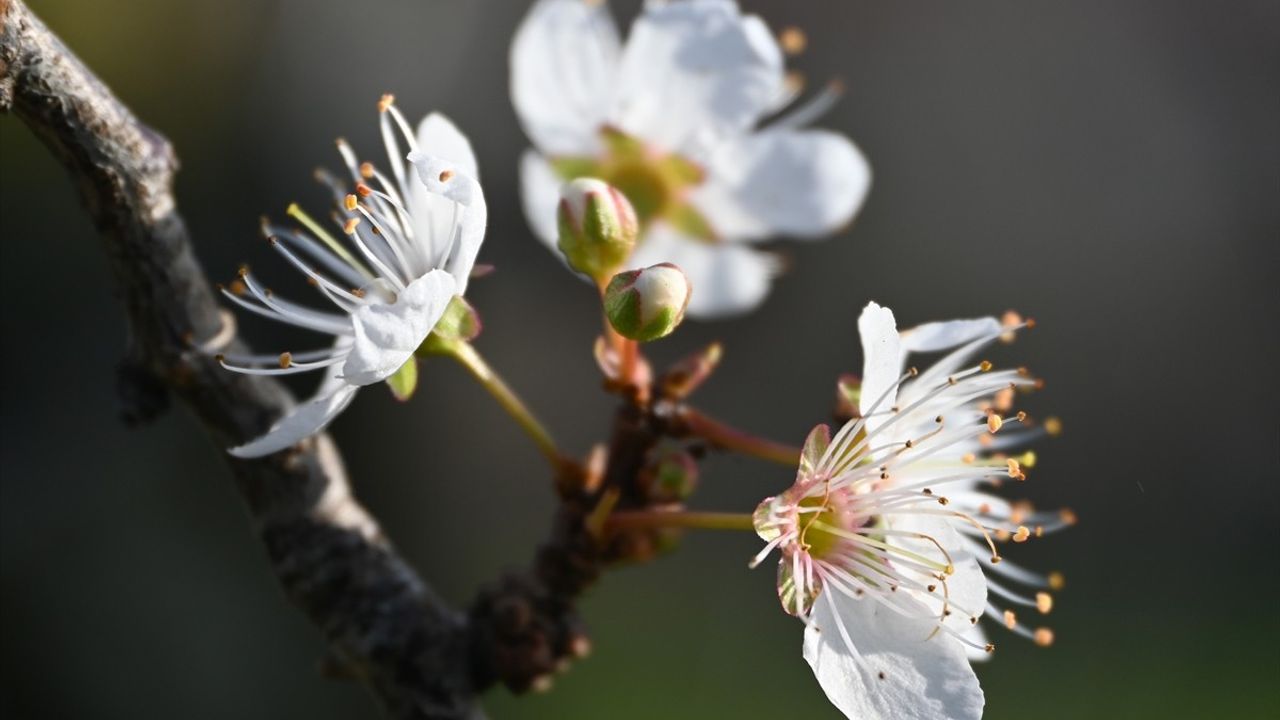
x=1110, y=168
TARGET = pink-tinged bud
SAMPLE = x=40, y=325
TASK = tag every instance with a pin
x=689, y=373
x=647, y=304
x=598, y=227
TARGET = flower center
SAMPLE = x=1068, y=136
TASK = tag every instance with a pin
x=644, y=185
x=656, y=182
x=814, y=533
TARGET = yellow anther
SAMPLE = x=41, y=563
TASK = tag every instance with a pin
x=1028, y=459
x=994, y=422
x=1010, y=620
x=1014, y=468
x=350, y=202
x=1017, y=513
x=1022, y=416
x=1044, y=602
x=985, y=366
x=1053, y=426
x=1003, y=399
x=349, y=227
x=286, y=359
x=968, y=458
x=237, y=288
x=1068, y=516
x=1056, y=581
x=1022, y=534
x=794, y=81
x=366, y=170
x=385, y=102
x=793, y=40
x=1044, y=637
x=1010, y=319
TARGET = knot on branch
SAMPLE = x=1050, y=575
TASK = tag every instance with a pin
x=525, y=626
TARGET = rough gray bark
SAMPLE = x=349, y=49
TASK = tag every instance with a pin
x=382, y=623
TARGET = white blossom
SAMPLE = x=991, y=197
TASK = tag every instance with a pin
x=673, y=119
x=411, y=242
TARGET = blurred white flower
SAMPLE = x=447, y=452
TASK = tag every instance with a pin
x=973, y=464
x=673, y=120
x=412, y=242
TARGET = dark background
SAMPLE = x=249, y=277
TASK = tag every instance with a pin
x=1111, y=168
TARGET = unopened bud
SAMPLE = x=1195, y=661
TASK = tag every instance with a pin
x=598, y=227
x=671, y=477
x=689, y=373
x=647, y=304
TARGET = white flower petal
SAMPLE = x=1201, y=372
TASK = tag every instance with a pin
x=438, y=136
x=465, y=225
x=935, y=336
x=899, y=668
x=880, y=360
x=694, y=73
x=801, y=183
x=431, y=215
x=563, y=63
x=727, y=278
x=540, y=194
x=387, y=335
x=304, y=421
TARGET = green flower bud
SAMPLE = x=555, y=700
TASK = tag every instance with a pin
x=598, y=227
x=671, y=477
x=647, y=304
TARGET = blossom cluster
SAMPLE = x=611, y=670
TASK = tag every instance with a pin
x=659, y=164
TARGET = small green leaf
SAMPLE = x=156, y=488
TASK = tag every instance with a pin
x=459, y=322
x=405, y=380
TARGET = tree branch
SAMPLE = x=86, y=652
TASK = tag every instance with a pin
x=381, y=621
x=383, y=625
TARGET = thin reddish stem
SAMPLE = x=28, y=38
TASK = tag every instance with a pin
x=731, y=438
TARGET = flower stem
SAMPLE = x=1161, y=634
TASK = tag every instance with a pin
x=731, y=438
x=633, y=519
x=467, y=356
